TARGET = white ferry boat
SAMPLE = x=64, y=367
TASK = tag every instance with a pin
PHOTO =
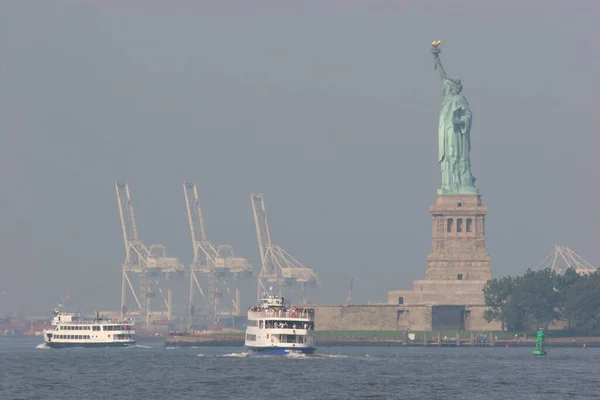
x=274, y=328
x=70, y=330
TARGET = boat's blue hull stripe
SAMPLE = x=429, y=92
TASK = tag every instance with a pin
x=281, y=350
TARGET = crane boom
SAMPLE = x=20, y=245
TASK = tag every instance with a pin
x=133, y=244
x=203, y=250
x=141, y=260
x=211, y=261
x=278, y=267
x=262, y=232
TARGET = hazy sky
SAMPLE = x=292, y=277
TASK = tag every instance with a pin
x=329, y=108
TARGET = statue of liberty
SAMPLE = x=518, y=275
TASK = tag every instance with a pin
x=454, y=135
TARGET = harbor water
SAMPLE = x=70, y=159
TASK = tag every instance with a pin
x=153, y=371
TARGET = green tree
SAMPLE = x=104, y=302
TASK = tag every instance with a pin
x=568, y=286
x=497, y=294
x=536, y=298
x=581, y=304
x=524, y=302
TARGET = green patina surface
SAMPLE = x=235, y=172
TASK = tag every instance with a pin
x=454, y=135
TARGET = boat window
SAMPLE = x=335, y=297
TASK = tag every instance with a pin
x=250, y=337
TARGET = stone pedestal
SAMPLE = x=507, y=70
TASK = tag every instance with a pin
x=458, y=265
x=458, y=240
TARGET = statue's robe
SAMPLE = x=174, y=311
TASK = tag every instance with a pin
x=455, y=143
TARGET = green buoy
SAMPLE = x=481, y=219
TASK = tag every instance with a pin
x=539, y=344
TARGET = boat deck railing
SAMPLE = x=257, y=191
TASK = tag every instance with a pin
x=282, y=314
x=98, y=322
x=289, y=331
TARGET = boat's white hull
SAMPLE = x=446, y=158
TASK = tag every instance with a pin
x=62, y=345
x=73, y=331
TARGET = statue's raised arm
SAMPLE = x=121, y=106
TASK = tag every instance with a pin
x=437, y=62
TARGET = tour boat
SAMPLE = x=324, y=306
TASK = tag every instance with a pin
x=274, y=328
x=70, y=330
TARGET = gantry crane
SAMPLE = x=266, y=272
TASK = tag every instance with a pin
x=278, y=268
x=142, y=261
x=210, y=262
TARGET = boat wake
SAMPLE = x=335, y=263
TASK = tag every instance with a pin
x=294, y=356
x=322, y=355
x=235, y=355
x=42, y=346
x=242, y=354
x=141, y=346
